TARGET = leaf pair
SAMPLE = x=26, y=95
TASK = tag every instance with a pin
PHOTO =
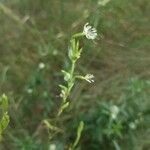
x=74, y=51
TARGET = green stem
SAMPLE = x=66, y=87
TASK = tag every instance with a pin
x=72, y=68
x=78, y=35
x=71, y=81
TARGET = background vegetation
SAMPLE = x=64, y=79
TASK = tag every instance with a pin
x=38, y=31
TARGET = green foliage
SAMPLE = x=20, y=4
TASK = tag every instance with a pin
x=5, y=117
x=38, y=32
x=110, y=132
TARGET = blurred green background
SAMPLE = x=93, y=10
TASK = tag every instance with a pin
x=35, y=32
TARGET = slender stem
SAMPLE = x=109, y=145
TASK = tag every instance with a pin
x=78, y=35
x=71, y=81
x=70, y=85
x=72, y=69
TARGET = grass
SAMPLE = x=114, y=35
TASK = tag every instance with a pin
x=33, y=32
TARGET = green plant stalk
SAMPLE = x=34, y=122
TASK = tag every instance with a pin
x=79, y=132
x=74, y=54
x=65, y=104
x=78, y=35
x=71, y=76
x=5, y=117
x=70, y=83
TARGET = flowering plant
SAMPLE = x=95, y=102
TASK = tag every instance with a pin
x=74, y=54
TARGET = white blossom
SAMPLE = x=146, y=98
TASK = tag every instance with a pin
x=41, y=65
x=114, y=110
x=89, y=78
x=89, y=31
x=29, y=91
x=132, y=125
x=52, y=147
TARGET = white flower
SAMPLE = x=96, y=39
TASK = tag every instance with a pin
x=29, y=91
x=132, y=125
x=89, y=78
x=52, y=147
x=89, y=31
x=114, y=110
x=41, y=65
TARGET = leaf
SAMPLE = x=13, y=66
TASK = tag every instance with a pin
x=5, y=117
x=4, y=122
x=116, y=145
x=74, y=51
x=51, y=127
x=66, y=74
x=63, y=87
x=4, y=103
x=79, y=132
